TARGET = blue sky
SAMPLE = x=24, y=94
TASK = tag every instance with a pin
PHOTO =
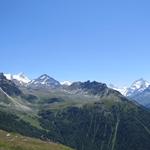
x=103, y=40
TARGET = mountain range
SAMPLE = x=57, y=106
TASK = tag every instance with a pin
x=41, y=81
x=138, y=91
x=84, y=115
x=136, y=87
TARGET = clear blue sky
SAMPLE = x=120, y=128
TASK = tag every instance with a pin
x=103, y=40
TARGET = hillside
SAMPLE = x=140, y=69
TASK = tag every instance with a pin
x=12, y=141
x=84, y=116
x=105, y=125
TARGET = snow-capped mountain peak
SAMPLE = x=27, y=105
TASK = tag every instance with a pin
x=68, y=83
x=140, y=84
x=44, y=81
x=137, y=86
x=122, y=90
x=44, y=78
x=9, y=76
x=21, y=77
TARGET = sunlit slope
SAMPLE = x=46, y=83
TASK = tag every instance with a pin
x=10, y=141
x=105, y=125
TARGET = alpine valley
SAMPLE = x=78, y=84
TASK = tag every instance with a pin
x=44, y=114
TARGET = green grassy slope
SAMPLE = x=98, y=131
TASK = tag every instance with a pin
x=105, y=125
x=10, y=141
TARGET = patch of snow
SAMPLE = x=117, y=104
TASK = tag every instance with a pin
x=19, y=77
x=43, y=77
x=138, y=86
x=122, y=90
x=22, y=78
x=68, y=83
x=8, y=76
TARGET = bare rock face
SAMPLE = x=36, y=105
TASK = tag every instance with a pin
x=9, y=86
